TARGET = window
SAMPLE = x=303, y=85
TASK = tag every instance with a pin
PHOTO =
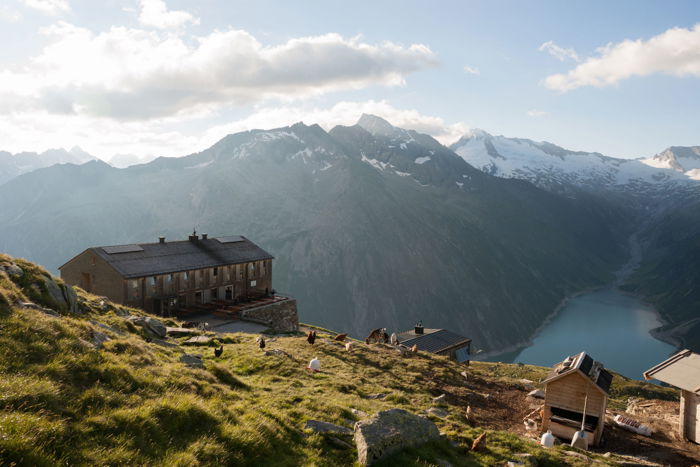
x=239, y=272
x=185, y=280
x=168, y=283
x=215, y=273
x=227, y=273
x=133, y=287
x=151, y=286
x=214, y=293
x=251, y=269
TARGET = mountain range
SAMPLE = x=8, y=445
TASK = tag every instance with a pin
x=371, y=226
x=13, y=165
x=374, y=225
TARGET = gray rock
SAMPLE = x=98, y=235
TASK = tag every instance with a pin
x=324, y=427
x=194, y=361
x=34, y=306
x=440, y=413
x=376, y=396
x=390, y=431
x=442, y=463
x=339, y=442
x=150, y=324
x=13, y=270
x=359, y=413
x=525, y=459
x=63, y=296
x=536, y=393
x=198, y=340
x=99, y=338
x=181, y=331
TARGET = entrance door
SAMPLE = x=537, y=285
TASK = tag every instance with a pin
x=229, y=292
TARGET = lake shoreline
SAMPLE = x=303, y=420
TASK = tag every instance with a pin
x=656, y=332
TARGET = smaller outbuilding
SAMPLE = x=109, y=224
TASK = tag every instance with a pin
x=682, y=370
x=438, y=341
x=578, y=384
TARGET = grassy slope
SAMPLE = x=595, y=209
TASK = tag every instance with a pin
x=132, y=402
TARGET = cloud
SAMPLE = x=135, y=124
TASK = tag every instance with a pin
x=471, y=70
x=155, y=13
x=104, y=137
x=50, y=7
x=133, y=74
x=9, y=15
x=536, y=113
x=342, y=113
x=560, y=53
x=675, y=52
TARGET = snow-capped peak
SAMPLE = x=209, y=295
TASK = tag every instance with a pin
x=377, y=126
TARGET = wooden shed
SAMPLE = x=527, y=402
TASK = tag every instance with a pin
x=682, y=370
x=572, y=384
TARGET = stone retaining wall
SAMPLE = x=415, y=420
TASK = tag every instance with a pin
x=280, y=316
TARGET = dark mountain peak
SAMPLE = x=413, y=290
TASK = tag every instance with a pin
x=377, y=126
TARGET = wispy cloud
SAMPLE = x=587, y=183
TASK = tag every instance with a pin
x=674, y=52
x=155, y=13
x=129, y=74
x=534, y=113
x=50, y=7
x=471, y=70
x=560, y=53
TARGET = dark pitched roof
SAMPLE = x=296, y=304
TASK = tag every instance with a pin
x=582, y=362
x=433, y=340
x=149, y=259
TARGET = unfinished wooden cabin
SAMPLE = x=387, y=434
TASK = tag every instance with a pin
x=167, y=276
x=682, y=370
x=572, y=384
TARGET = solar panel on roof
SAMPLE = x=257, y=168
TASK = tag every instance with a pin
x=112, y=250
x=231, y=239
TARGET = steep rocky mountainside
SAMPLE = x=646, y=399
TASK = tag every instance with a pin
x=370, y=228
x=85, y=382
x=13, y=165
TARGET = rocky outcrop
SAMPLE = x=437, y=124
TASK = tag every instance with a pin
x=192, y=361
x=150, y=324
x=390, y=431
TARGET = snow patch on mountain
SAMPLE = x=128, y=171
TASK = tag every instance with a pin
x=544, y=163
x=422, y=160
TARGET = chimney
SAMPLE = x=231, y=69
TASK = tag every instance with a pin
x=161, y=240
x=193, y=236
x=205, y=236
x=419, y=328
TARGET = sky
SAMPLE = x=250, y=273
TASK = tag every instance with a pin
x=171, y=77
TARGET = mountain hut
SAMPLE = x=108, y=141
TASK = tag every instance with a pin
x=577, y=382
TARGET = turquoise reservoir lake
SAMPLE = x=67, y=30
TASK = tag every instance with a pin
x=609, y=325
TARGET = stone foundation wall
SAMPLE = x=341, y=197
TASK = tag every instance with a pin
x=281, y=316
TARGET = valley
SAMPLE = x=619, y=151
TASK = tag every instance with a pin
x=371, y=225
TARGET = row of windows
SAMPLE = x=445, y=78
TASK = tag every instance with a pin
x=199, y=278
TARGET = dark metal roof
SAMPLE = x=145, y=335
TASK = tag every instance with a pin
x=169, y=257
x=432, y=340
x=590, y=368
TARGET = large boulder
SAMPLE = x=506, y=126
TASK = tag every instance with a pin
x=150, y=324
x=62, y=296
x=390, y=431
